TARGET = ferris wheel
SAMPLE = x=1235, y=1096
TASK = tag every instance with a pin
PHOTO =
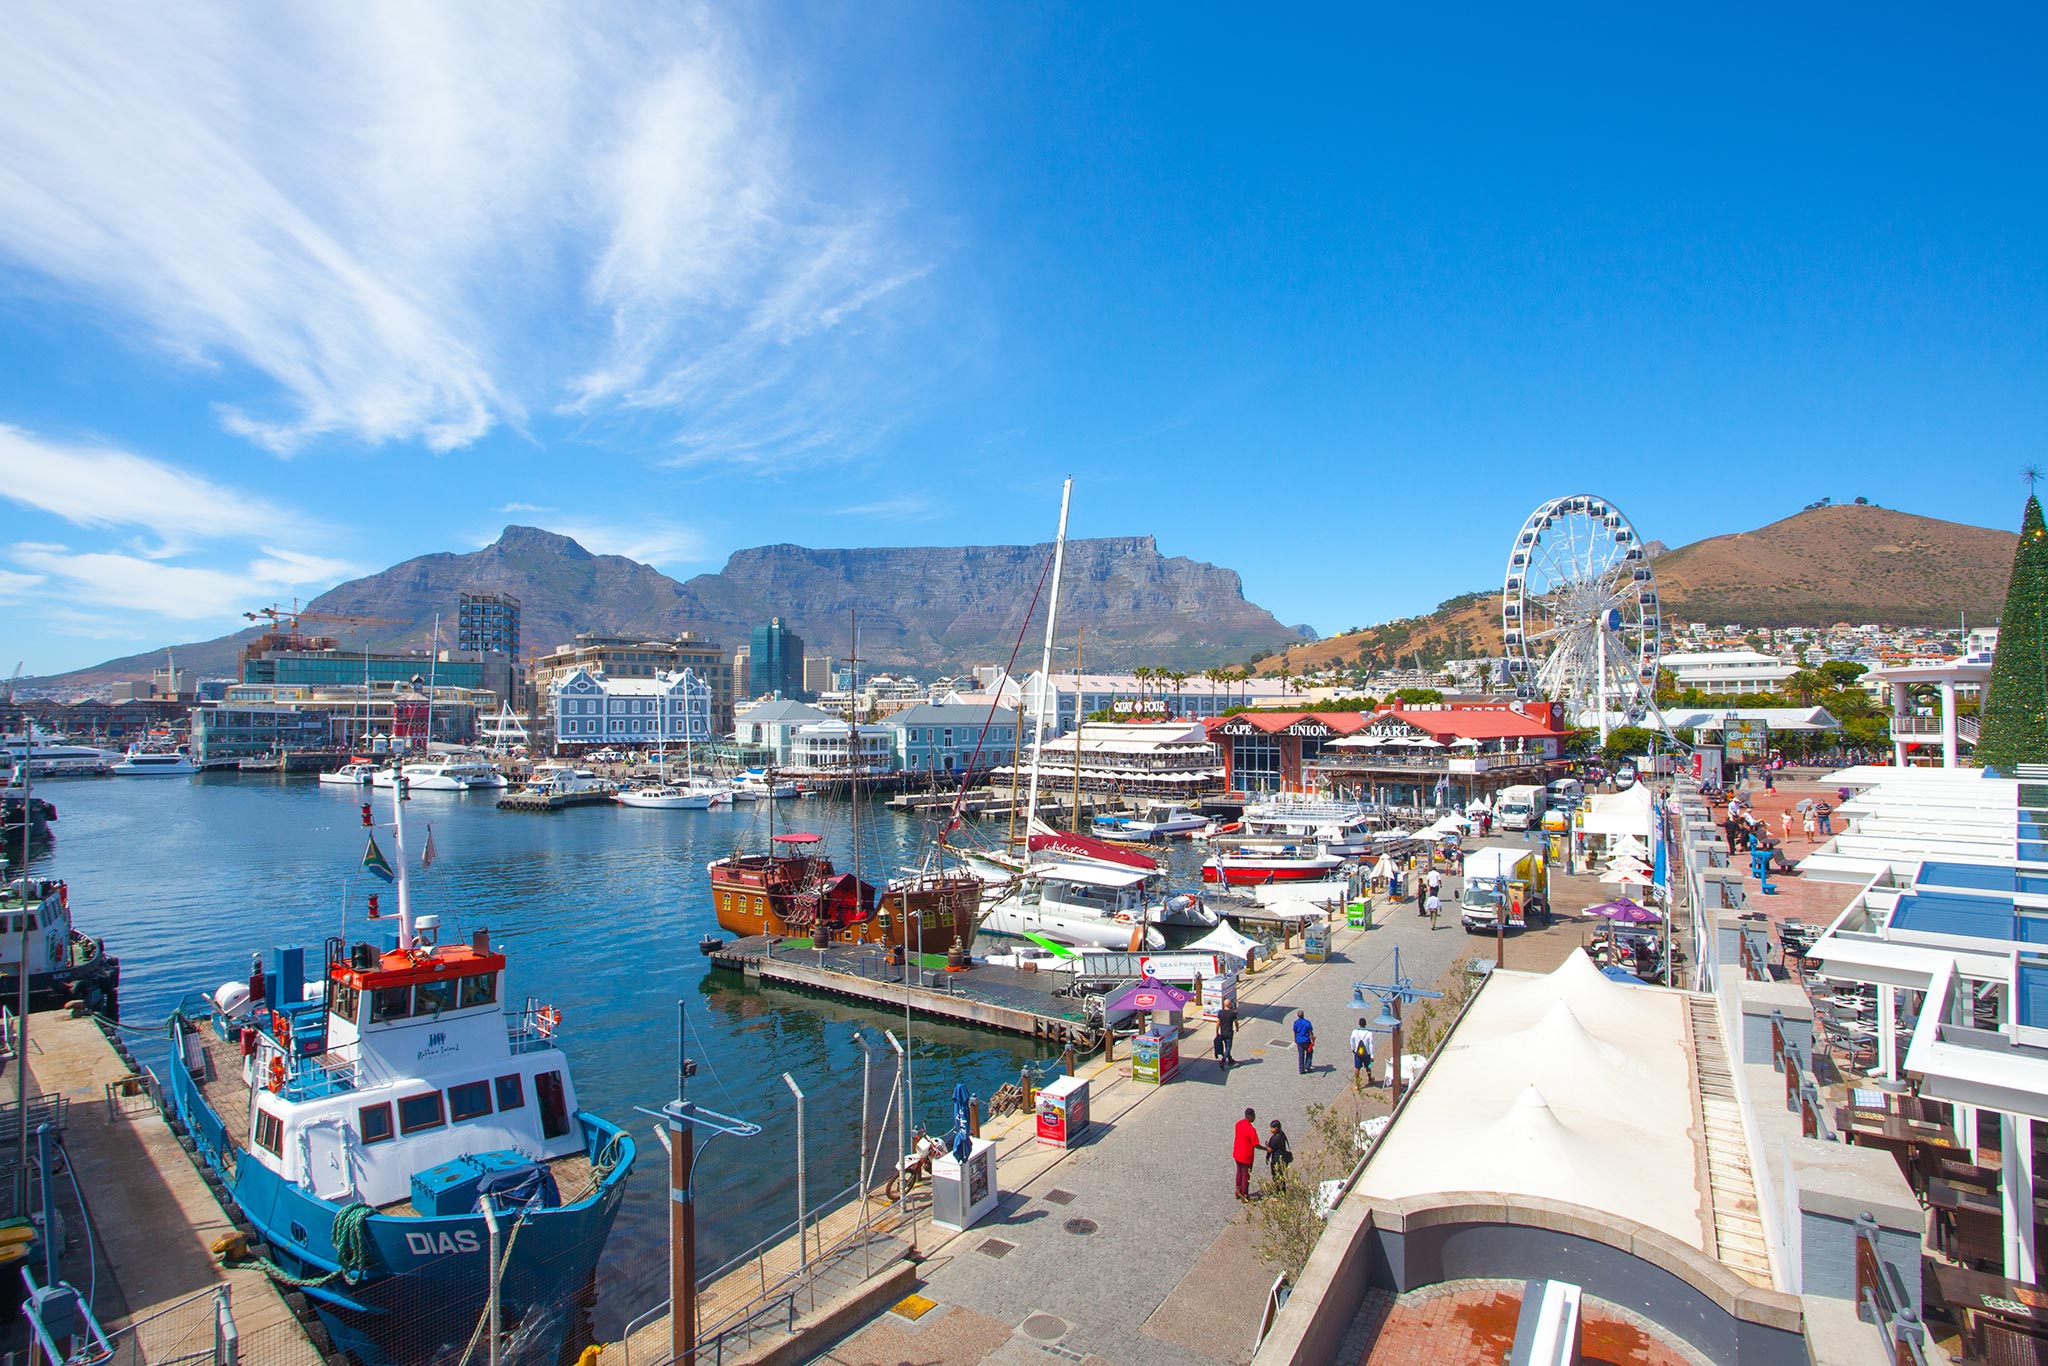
x=1579, y=613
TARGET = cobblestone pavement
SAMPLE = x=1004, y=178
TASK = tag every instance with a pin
x=1133, y=1249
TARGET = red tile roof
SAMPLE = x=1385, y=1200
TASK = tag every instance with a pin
x=1478, y=721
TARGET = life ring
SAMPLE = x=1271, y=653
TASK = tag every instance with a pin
x=284, y=1032
x=547, y=1019
x=1125, y=918
x=276, y=1074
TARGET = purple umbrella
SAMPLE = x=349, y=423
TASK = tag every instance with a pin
x=1626, y=912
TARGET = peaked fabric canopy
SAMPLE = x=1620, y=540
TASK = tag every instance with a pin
x=1149, y=993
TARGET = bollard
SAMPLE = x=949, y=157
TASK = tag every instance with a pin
x=1198, y=993
x=1024, y=1084
x=1108, y=1044
x=974, y=1116
x=1067, y=1058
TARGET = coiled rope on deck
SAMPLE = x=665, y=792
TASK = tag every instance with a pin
x=351, y=1250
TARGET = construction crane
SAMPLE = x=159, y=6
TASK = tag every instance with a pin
x=288, y=619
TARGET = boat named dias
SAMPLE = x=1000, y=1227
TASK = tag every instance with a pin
x=63, y=964
x=389, y=1125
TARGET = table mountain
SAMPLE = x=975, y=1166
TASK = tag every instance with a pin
x=922, y=607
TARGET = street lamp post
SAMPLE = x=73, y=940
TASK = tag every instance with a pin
x=1391, y=996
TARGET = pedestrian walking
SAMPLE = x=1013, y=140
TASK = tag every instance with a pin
x=1226, y=1035
x=1811, y=825
x=1436, y=906
x=1244, y=1150
x=1279, y=1154
x=1785, y=824
x=1436, y=881
x=1825, y=814
x=1304, y=1042
x=1361, y=1054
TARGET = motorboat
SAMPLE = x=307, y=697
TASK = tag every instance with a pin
x=155, y=763
x=754, y=786
x=566, y=780
x=1174, y=820
x=443, y=775
x=354, y=773
x=1084, y=903
x=386, y=1123
x=671, y=797
x=1341, y=828
x=1250, y=864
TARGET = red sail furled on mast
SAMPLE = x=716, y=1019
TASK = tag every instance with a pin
x=1080, y=846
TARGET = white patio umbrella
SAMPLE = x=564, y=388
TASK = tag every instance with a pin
x=1465, y=742
x=1384, y=868
x=1425, y=743
x=1627, y=877
x=1629, y=844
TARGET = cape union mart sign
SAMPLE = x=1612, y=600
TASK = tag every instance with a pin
x=1312, y=730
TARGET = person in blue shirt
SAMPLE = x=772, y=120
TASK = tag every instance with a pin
x=1304, y=1042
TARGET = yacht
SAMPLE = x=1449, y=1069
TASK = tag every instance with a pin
x=1249, y=863
x=141, y=763
x=373, y=1117
x=354, y=773
x=754, y=786
x=1088, y=904
x=566, y=780
x=443, y=775
x=1174, y=820
x=673, y=797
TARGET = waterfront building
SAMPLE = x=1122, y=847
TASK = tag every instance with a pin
x=1132, y=759
x=938, y=737
x=840, y=747
x=766, y=731
x=776, y=660
x=355, y=717
x=617, y=656
x=1066, y=697
x=1727, y=671
x=669, y=709
x=247, y=730
x=1446, y=754
x=1945, y=680
x=288, y=660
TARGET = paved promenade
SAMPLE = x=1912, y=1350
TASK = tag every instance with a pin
x=1165, y=1268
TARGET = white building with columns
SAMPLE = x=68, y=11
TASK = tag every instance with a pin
x=591, y=710
x=1914, y=734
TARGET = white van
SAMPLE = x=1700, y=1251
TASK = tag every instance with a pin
x=1520, y=808
x=1566, y=791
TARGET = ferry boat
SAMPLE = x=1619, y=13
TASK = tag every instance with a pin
x=354, y=773
x=1341, y=828
x=367, y=1119
x=64, y=965
x=793, y=890
x=53, y=756
x=155, y=763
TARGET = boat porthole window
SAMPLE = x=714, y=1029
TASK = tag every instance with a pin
x=470, y=1100
x=420, y=1112
x=374, y=1121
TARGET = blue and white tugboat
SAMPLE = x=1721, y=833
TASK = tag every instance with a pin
x=375, y=1118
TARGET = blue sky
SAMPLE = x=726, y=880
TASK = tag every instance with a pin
x=1331, y=298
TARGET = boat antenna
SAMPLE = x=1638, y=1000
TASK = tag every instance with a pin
x=1052, y=618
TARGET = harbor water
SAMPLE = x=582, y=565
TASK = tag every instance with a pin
x=600, y=910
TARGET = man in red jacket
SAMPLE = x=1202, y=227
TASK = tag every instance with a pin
x=1244, y=1150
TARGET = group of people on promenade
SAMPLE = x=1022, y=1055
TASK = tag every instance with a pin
x=1246, y=1144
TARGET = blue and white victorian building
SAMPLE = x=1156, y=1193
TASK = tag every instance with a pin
x=593, y=710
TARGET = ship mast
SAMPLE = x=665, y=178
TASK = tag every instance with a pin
x=398, y=798
x=1052, y=618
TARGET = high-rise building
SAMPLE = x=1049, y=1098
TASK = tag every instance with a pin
x=817, y=674
x=776, y=659
x=487, y=624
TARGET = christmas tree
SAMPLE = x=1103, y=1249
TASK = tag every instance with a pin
x=2015, y=723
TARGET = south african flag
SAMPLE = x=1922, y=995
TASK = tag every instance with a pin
x=374, y=863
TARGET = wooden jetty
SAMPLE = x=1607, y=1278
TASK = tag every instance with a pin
x=154, y=1218
x=1013, y=1000
x=550, y=801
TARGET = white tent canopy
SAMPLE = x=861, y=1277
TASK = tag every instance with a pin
x=1619, y=815
x=1227, y=941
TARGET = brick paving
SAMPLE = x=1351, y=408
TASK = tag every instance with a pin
x=1474, y=1321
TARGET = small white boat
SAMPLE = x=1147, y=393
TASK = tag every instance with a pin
x=141, y=763
x=566, y=780
x=754, y=787
x=670, y=797
x=1175, y=820
x=354, y=773
x=451, y=775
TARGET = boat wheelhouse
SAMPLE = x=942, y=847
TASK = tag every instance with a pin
x=64, y=965
x=367, y=1118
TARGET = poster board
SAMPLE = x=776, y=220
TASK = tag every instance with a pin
x=1745, y=740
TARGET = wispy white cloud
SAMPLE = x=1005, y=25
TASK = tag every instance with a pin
x=413, y=219
x=515, y=508
x=101, y=487
x=14, y=586
x=910, y=507
x=144, y=587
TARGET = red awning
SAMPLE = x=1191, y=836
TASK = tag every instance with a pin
x=801, y=837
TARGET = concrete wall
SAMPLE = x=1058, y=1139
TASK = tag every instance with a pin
x=1405, y=1245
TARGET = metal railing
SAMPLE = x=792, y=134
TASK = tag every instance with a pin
x=1802, y=1091
x=1881, y=1299
x=533, y=1028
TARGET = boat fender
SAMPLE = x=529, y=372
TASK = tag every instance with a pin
x=276, y=1075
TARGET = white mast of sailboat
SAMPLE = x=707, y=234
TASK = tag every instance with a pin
x=1052, y=618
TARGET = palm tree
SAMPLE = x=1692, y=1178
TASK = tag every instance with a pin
x=1143, y=673
x=1178, y=678
x=1805, y=685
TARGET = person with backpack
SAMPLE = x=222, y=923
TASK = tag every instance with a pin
x=1279, y=1154
x=1361, y=1054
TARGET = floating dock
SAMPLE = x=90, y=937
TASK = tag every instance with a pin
x=551, y=801
x=1013, y=1000
x=154, y=1218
